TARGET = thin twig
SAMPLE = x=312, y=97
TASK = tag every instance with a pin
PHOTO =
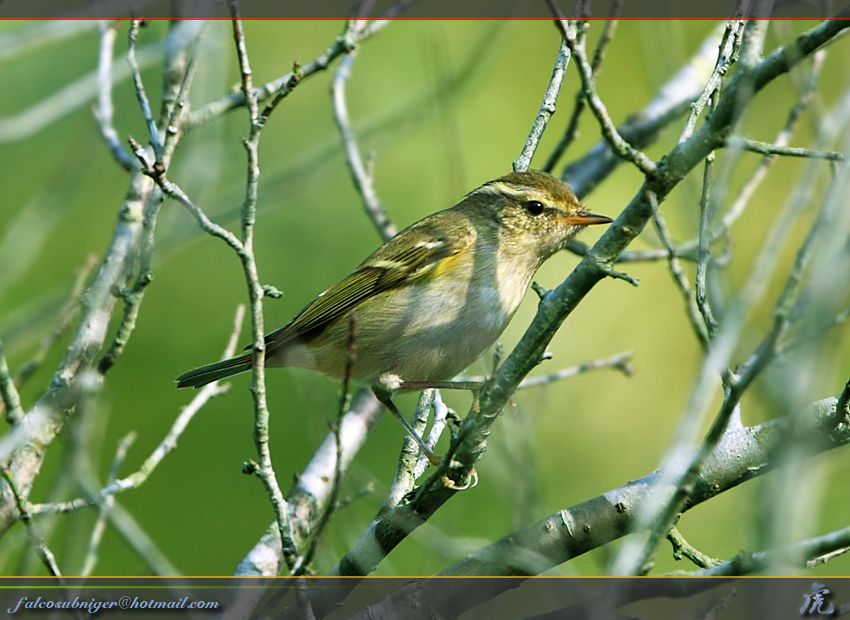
x=620, y=362
x=579, y=248
x=694, y=316
x=362, y=177
x=285, y=84
x=706, y=213
x=174, y=121
x=103, y=109
x=571, y=133
x=782, y=138
x=140, y=91
x=620, y=147
x=798, y=340
x=133, y=296
x=304, y=560
x=547, y=109
x=825, y=546
x=681, y=549
x=727, y=54
x=766, y=148
x=44, y=554
x=264, y=470
x=173, y=191
x=106, y=506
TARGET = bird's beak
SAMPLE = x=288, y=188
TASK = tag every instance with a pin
x=584, y=218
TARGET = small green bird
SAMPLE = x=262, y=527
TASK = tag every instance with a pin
x=429, y=301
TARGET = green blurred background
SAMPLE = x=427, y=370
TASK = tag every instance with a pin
x=445, y=106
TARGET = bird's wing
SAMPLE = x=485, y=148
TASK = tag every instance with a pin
x=407, y=256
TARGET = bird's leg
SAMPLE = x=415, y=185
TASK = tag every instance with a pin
x=385, y=397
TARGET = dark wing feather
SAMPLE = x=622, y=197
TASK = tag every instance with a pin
x=408, y=255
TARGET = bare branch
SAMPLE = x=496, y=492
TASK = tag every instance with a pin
x=140, y=91
x=305, y=558
x=681, y=549
x=44, y=554
x=282, y=86
x=571, y=133
x=362, y=177
x=264, y=469
x=694, y=316
x=765, y=148
x=547, y=109
x=620, y=146
x=810, y=552
x=726, y=57
x=100, y=525
x=103, y=110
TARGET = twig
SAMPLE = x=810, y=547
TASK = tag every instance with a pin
x=362, y=177
x=168, y=443
x=9, y=393
x=133, y=297
x=706, y=214
x=547, y=109
x=282, y=86
x=103, y=109
x=106, y=506
x=140, y=91
x=264, y=470
x=571, y=133
x=782, y=138
x=313, y=486
x=727, y=55
x=643, y=128
x=620, y=147
x=715, y=361
x=813, y=550
x=620, y=362
x=173, y=191
x=126, y=526
x=304, y=560
x=173, y=121
x=766, y=148
x=579, y=248
x=681, y=549
x=25, y=450
x=44, y=554
x=694, y=316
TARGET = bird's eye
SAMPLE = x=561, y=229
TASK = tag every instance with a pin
x=534, y=207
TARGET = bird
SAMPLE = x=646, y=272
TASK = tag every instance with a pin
x=430, y=300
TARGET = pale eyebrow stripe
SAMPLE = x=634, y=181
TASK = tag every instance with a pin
x=514, y=191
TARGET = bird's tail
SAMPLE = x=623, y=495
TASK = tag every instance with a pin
x=199, y=377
